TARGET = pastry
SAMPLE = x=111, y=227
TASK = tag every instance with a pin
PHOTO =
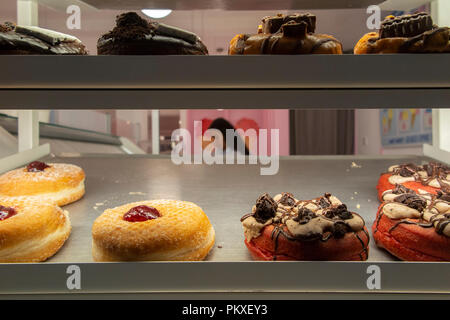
x=31, y=230
x=284, y=228
x=161, y=230
x=136, y=36
x=429, y=178
x=286, y=34
x=414, y=227
x=56, y=182
x=34, y=40
x=414, y=33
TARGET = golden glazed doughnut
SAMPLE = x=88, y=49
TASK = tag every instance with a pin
x=161, y=230
x=57, y=182
x=31, y=230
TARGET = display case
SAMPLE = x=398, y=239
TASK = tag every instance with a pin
x=30, y=83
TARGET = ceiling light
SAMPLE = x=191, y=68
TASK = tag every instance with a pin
x=156, y=13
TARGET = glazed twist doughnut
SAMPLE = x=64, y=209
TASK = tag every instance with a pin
x=152, y=230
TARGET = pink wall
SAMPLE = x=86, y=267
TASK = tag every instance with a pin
x=266, y=119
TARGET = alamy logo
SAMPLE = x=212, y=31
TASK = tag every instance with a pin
x=374, y=280
x=238, y=147
x=374, y=20
x=74, y=20
x=74, y=280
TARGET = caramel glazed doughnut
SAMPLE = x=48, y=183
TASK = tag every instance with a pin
x=291, y=34
x=56, y=182
x=158, y=230
x=31, y=230
x=414, y=226
x=406, y=34
x=284, y=228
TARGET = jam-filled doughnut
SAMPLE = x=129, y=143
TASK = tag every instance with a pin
x=158, y=230
x=286, y=34
x=414, y=227
x=31, y=230
x=414, y=33
x=284, y=228
x=57, y=182
x=430, y=178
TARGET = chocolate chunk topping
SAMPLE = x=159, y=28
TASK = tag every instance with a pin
x=339, y=212
x=275, y=23
x=340, y=229
x=436, y=170
x=324, y=203
x=400, y=189
x=294, y=29
x=406, y=171
x=287, y=199
x=444, y=196
x=412, y=201
x=406, y=26
x=304, y=216
x=130, y=19
x=130, y=25
x=266, y=208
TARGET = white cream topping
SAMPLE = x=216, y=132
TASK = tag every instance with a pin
x=397, y=179
x=395, y=210
x=252, y=228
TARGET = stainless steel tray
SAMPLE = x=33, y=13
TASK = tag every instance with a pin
x=225, y=192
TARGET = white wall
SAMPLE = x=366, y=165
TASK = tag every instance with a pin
x=368, y=135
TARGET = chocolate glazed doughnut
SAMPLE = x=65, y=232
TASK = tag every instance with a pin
x=34, y=40
x=284, y=228
x=291, y=34
x=135, y=36
x=414, y=33
x=414, y=227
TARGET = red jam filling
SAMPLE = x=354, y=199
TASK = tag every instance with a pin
x=6, y=212
x=37, y=166
x=141, y=213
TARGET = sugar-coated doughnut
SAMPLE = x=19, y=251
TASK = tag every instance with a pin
x=284, y=228
x=57, y=182
x=158, y=230
x=31, y=230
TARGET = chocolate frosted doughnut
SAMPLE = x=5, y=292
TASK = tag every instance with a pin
x=135, y=36
x=284, y=228
x=34, y=40
x=286, y=34
x=406, y=34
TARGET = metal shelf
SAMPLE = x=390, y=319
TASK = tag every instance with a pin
x=146, y=177
x=229, y=4
x=182, y=82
